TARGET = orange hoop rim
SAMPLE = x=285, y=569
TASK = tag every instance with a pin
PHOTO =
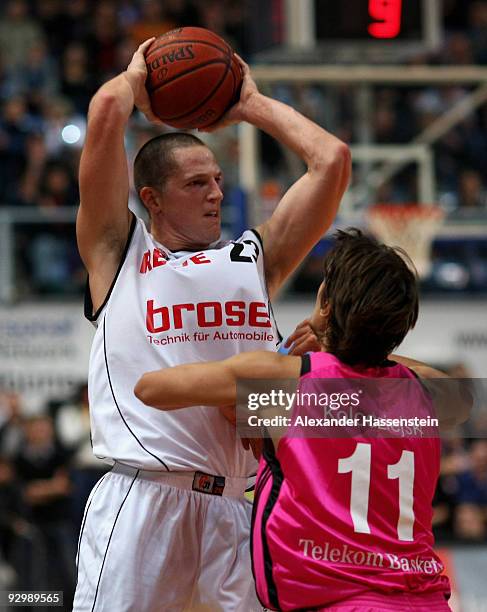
x=406, y=211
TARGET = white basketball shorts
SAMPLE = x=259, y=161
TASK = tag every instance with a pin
x=150, y=543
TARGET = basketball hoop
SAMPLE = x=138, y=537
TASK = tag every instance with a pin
x=409, y=226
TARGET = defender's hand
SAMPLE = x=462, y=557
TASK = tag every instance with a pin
x=256, y=445
x=136, y=75
x=302, y=340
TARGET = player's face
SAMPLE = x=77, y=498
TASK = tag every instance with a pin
x=193, y=196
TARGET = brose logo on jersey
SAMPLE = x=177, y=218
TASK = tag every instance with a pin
x=207, y=314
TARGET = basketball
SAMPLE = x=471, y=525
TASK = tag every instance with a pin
x=193, y=77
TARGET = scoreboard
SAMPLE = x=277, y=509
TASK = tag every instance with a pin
x=372, y=20
x=368, y=19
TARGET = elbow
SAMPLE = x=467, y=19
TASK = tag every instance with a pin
x=106, y=110
x=345, y=156
x=336, y=159
x=341, y=159
x=141, y=391
x=343, y=163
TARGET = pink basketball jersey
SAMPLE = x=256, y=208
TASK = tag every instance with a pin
x=335, y=518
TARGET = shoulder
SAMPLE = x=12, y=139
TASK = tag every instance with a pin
x=251, y=236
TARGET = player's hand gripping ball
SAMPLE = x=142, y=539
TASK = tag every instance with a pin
x=193, y=77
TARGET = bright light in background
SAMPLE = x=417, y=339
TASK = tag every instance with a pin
x=71, y=134
x=452, y=275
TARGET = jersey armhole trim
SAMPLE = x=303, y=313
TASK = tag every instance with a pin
x=88, y=305
x=259, y=238
x=305, y=364
x=280, y=337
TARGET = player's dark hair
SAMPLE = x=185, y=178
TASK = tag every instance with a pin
x=372, y=293
x=155, y=161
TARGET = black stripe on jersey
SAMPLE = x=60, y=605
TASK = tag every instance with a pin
x=305, y=364
x=422, y=381
x=116, y=403
x=264, y=477
x=259, y=238
x=269, y=303
x=110, y=538
x=277, y=480
x=88, y=301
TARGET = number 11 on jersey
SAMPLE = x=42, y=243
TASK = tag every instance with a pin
x=359, y=463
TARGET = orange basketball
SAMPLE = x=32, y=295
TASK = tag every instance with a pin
x=193, y=77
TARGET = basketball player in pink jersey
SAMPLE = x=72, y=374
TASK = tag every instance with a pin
x=168, y=294
x=345, y=523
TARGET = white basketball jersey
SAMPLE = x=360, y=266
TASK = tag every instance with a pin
x=165, y=309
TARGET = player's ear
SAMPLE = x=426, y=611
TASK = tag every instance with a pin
x=152, y=200
x=325, y=310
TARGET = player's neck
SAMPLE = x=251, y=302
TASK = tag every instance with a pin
x=175, y=242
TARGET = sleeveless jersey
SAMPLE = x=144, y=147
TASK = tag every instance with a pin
x=327, y=512
x=167, y=308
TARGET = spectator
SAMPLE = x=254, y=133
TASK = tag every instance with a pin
x=58, y=186
x=454, y=460
x=471, y=516
x=471, y=191
x=54, y=267
x=18, y=33
x=236, y=19
x=10, y=423
x=7, y=84
x=153, y=21
x=77, y=82
x=36, y=158
x=42, y=468
x=57, y=114
x=458, y=50
x=15, y=126
x=212, y=15
x=125, y=49
x=102, y=40
x=12, y=526
x=38, y=79
x=50, y=16
x=78, y=15
x=73, y=428
x=128, y=13
x=478, y=30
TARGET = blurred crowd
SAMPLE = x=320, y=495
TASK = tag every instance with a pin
x=53, y=57
x=401, y=113
x=47, y=470
x=54, y=54
x=460, y=504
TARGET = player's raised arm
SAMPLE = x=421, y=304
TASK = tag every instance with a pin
x=213, y=383
x=103, y=221
x=309, y=206
x=453, y=398
x=423, y=370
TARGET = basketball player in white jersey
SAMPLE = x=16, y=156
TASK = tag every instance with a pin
x=167, y=529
